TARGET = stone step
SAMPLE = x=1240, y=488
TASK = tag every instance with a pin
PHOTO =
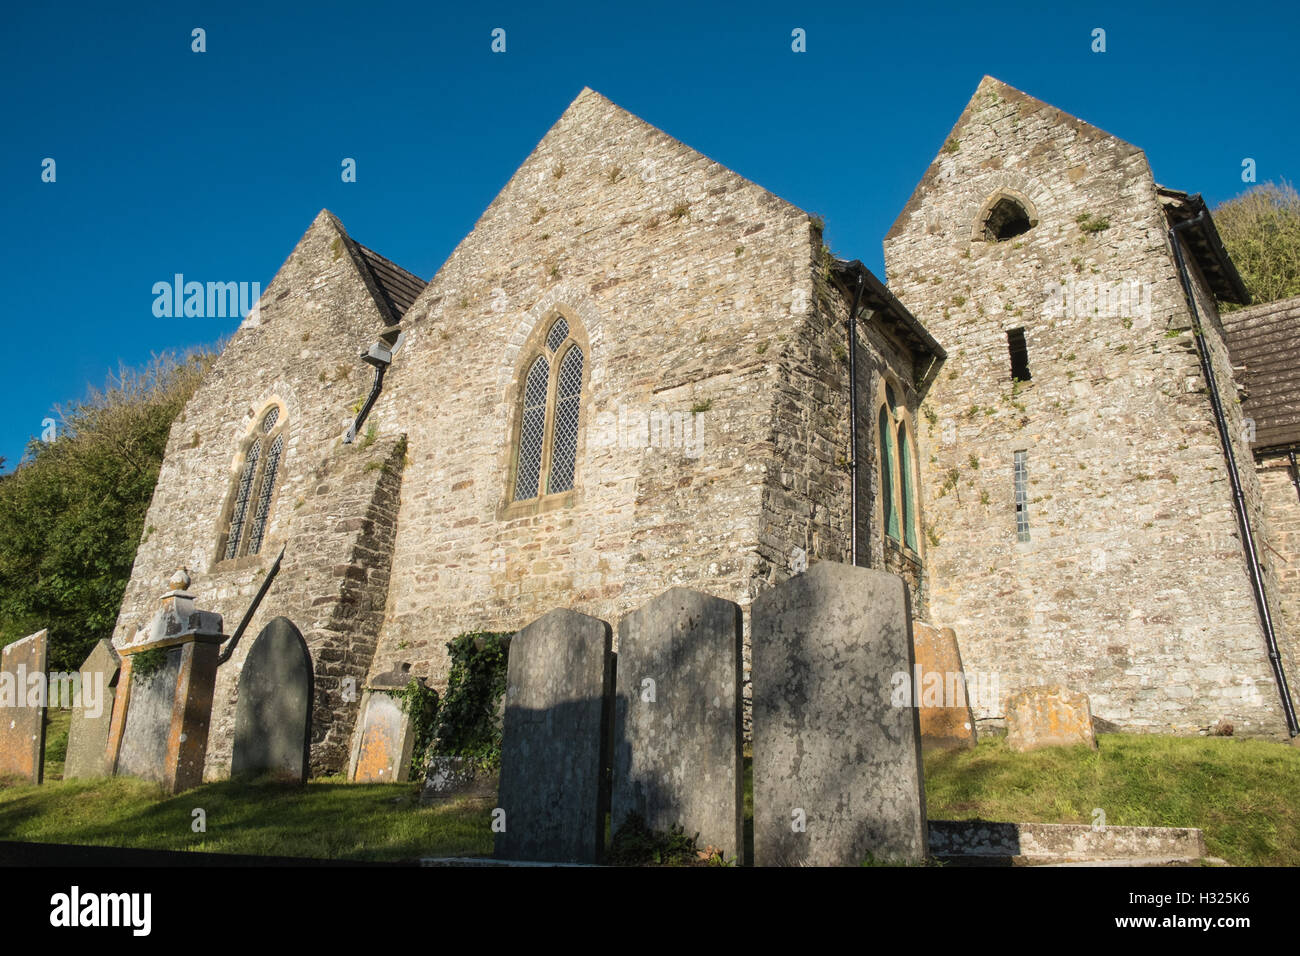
x=986, y=843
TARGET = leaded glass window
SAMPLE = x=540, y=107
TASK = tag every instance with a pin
x=564, y=447
x=905, y=473
x=254, y=489
x=887, y=474
x=244, y=489
x=532, y=431
x=1022, y=495
x=549, y=419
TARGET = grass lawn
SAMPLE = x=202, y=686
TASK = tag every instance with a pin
x=1244, y=794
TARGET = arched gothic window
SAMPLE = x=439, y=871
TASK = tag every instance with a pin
x=254, y=491
x=897, y=475
x=551, y=403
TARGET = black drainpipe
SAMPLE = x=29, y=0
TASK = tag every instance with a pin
x=1239, y=499
x=853, y=422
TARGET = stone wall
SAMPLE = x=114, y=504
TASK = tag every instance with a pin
x=694, y=293
x=1282, y=504
x=334, y=509
x=1132, y=586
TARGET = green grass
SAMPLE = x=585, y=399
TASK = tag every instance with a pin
x=57, y=723
x=1244, y=794
x=326, y=818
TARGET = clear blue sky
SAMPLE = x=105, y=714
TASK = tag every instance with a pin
x=213, y=164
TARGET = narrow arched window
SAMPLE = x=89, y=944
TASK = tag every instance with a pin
x=253, y=496
x=532, y=434
x=564, y=448
x=887, y=473
x=905, y=486
x=549, y=416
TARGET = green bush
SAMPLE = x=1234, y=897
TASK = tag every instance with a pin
x=72, y=513
x=1261, y=231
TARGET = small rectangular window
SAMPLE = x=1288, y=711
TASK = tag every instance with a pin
x=1019, y=355
x=1022, y=496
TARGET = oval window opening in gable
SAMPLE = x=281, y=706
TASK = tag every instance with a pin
x=1005, y=220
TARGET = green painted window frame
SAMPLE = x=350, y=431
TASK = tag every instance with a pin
x=887, y=473
x=909, y=495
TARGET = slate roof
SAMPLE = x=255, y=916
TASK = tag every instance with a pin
x=1266, y=340
x=398, y=287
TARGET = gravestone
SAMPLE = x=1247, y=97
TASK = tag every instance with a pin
x=273, y=707
x=940, y=688
x=677, y=725
x=22, y=707
x=387, y=740
x=151, y=702
x=92, y=718
x=163, y=706
x=837, y=765
x=555, y=741
x=1048, y=716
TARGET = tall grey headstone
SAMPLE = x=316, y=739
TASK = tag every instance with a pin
x=554, y=748
x=837, y=765
x=273, y=707
x=677, y=724
x=93, y=715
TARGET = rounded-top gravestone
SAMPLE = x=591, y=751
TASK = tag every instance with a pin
x=273, y=711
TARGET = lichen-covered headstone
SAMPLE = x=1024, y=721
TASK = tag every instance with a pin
x=837, y=763
x=151, y=701
x=1048, y=716
x=677, y=736
x=273, y=708
x=22, y=707
x=92, y=715
x=553, y=794
x=940, y=686
x=386, y=740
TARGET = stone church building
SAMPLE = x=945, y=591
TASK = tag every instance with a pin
x=635, y=373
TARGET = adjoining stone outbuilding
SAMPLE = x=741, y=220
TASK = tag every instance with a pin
x=1079, y=499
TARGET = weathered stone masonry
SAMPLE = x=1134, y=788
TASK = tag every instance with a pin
x=334, y=508
x=1133, y=585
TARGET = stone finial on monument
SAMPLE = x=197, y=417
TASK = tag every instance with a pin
x=273, y=706
x=837, y=760
x=553, y=794
x=385, y=738
x=159, y=728
x=1049, y=716
x=939, y=685
x=92, y=716
x=677, y=724
x=23, y=689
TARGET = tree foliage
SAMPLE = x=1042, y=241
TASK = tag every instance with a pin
x=1261, y=231
x=72, y=513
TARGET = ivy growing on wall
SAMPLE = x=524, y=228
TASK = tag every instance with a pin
x=464, y=723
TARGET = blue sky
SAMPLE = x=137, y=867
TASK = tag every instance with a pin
x=213, y=164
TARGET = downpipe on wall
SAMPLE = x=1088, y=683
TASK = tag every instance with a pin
x=1239, y=498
